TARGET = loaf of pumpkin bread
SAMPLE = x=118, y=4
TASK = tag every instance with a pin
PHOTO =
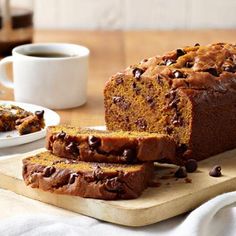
x=86, y=179
x=188, y=93
x=109, y=147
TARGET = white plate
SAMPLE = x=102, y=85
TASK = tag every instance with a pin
x=12, y=138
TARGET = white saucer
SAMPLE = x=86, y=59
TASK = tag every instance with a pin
x=12, y=138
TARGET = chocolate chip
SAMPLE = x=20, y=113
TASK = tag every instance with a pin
x=98, y=173
x=94, y=142
x=168, y=130
x=179, y=74
x=212, y=71
x=18, y=122
x=73, y=148
x=141, y=123
x=196, y=45
x=114, y=185
x=181, y=173
x=191, y=165
x=189, y=64
x=215, y=171
x=48, y=171
x=150, y=101
x=180, y=52
x=129, y=155
x=145, y=60
x=61, y=135
x=72, y=178
x=120, y=101
x=119, y=80
x=182, y=148
x=117, y=99
x=160, y=80
x=230, y=68
x=137, y=72
x=169, y=62
x=39, y=114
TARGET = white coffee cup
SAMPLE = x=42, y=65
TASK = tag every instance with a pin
x=53, y=82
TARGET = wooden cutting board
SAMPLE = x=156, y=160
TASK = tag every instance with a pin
x=171, y=198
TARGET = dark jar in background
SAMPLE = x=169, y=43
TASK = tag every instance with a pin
x=16, y=24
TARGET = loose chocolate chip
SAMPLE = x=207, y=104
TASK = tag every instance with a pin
x=181, y=173
x=191, y=165
x=197, y=44
x=189, y=64
x=180, y=52
x=61, y=135
x=73, y=148
x=72, y=178
x=137, y=72
x=94, y=142
x=39, y=114
x=230, y=68
x=215, y=171
x=48, y=171
x=119, y=80
x=178, y=74
x=212, y=71
x=129, y=155
x=169, y=62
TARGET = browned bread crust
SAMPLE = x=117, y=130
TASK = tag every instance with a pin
x=110, y=147
x=189, y=93
x=86, y=179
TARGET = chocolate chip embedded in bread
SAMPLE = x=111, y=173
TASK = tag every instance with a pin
x=215, y=171
x=137, y=72
x=179, y=74
x=94, y=142
x=113, y=185
x=189, y=64
x=119, y=80
x=181, y=173
x=39, y=114
x=48, y=171
x=160, y=80
x=179, y=52
x=169, y=62
x=197, y=45
x=73, y=148
x=212, y=71
x=72, y=178
x=129, y=155
x=191, y=165
x=229, y=68
x=141, y=123
x=61, y=135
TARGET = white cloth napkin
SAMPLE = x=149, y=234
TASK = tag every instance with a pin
x=23, y=216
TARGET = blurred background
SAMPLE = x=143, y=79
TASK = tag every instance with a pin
x=134, y=14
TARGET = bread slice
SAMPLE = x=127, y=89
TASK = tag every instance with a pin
x=86, y=179
x=109, y=147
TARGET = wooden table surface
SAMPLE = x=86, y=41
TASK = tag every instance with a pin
x=112, y=51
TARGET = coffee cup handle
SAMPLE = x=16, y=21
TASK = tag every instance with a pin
x=3, y=74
